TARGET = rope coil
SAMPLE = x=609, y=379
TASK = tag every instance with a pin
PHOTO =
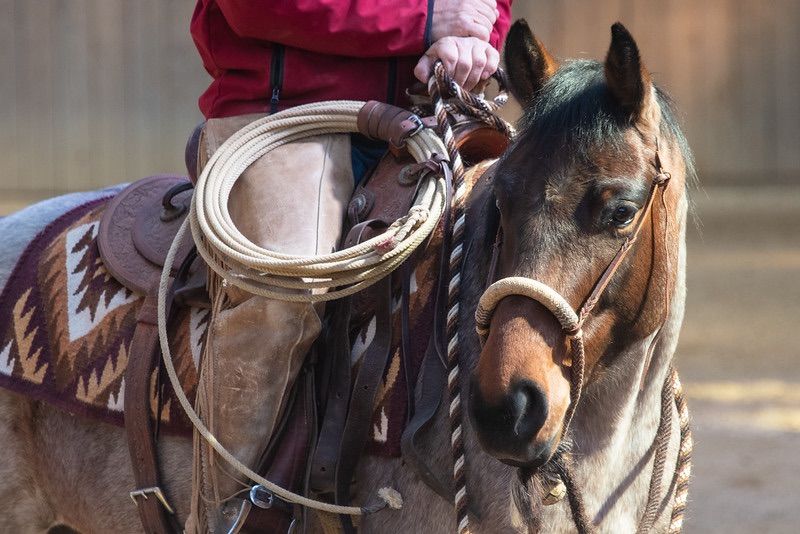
x=270, y=274
x=262, y=272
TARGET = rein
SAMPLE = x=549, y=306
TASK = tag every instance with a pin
x=572, y=326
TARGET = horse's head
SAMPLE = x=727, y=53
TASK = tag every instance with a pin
x=569, y=191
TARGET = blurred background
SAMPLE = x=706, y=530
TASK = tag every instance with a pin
x=96, y=92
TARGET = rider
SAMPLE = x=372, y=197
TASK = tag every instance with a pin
x=266, y=56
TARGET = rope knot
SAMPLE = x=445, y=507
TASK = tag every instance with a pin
x=574, y=332
x=399, y=230
x=662, y=178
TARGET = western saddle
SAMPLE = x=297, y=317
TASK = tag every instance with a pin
x=328, y=433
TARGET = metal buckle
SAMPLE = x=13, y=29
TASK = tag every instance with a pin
x=418, y=123
x=262, y=497
x=418, y=127
x=155, y=490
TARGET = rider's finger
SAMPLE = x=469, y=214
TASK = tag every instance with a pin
x=463, y=66
x=488, y=11
x=479, y=59
x=475, y=29
x=492, y=63
x=483, y=20
x=449, y=54
x=423, y=69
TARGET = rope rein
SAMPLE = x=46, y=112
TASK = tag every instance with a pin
x=461, y=499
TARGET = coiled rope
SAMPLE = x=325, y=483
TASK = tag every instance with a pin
x=266, y=273
x=259, y=271
x=388, y=497
x=262, y=272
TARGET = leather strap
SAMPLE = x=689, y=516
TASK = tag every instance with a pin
x=432, y=379
x=323, y=464
x=431, y=383
x=285, y=463
x=377, y=120
x=154, y=511
x=362, y=401
x=660, y=180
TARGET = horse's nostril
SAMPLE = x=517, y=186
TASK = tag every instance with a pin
x=508, y=430
x=529, y=406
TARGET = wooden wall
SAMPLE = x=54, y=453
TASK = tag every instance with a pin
x=732, y=65
x=94, y=92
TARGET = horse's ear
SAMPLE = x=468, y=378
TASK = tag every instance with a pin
x=628, y=79
x=528, y=63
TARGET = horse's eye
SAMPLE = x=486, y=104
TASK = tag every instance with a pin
x=623, y=214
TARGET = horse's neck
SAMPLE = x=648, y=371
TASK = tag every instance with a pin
x=615, y=425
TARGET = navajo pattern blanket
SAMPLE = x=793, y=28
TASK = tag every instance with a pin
x=66, y=327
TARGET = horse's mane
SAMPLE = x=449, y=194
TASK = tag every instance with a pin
x=575, y=112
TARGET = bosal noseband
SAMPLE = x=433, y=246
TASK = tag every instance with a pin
x=571, y=321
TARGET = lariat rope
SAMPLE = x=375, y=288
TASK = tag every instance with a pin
x=259, y=271
x=388, y=496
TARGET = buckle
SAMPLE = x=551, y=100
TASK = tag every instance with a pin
x=262, y=497
x=156, y=491
x=418, y=126
x=265, y=499
x=411, y=126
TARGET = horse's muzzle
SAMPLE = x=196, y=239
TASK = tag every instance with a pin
x=508, y=430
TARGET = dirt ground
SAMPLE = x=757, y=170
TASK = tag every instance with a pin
x=739, y=356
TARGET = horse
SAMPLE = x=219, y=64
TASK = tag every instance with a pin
x=557, y=206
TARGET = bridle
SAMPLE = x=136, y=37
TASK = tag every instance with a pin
x=572, y=323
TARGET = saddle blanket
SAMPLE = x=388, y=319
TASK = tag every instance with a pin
x=66, y=327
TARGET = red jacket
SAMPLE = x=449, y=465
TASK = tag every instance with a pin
x=268, y=55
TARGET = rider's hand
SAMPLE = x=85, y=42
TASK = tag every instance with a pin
x=463, y=18
x=467, y=59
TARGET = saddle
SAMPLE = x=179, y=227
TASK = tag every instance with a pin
x=135, y=233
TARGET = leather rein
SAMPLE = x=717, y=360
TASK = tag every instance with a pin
x=572, y=323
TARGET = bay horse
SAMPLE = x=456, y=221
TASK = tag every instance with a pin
x=565, y=195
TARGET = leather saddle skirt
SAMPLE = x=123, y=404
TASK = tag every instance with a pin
x=138, y=227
